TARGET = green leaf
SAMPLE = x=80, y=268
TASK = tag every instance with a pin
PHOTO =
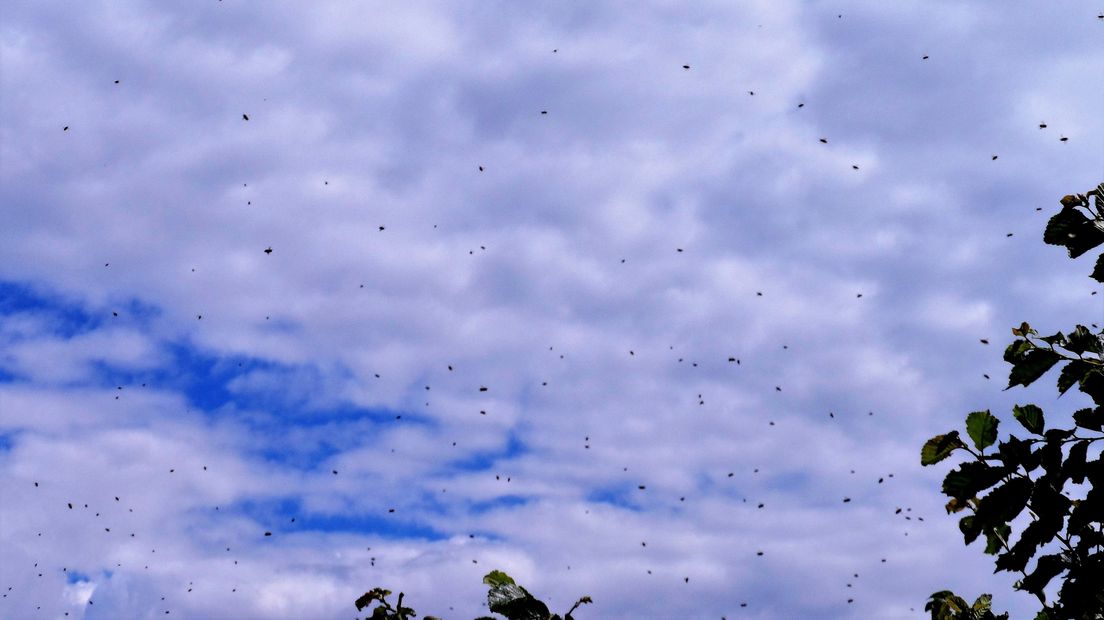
x=1074, y=468
x=1015, y=452
x=1092, y=419
x=1046, y=569
x=945, y=604
x=1057, y=338
x=512, y=601
x=1030, y=416
x=1072, y=374
x=995, y=538
x=497, y=578
x=1004, y=503
x=1098, y=271
x=971, y=478
x=970, y=528
x=1036, y=534
x=983, y=603
x=1048, y=503
x=982, y=428
x=1087, y=511
x=1093, y=385
x=1017, y=349
x=1072, y=229
x=1031, y=365
x=376, y=594
x=940, y=447
x=1082, y=340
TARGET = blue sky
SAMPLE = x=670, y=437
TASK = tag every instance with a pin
x=514, y=247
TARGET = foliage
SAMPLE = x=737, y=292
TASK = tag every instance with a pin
x=505, y=597
x=1048, y=475
x=946, y=605
x=385, y=611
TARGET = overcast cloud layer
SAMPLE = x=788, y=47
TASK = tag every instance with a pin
x=515, y=251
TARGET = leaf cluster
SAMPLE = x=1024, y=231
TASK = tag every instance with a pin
x=505, y=597
x=946, y=605
x=385, y=611
x=1079, y=226
x=1051, y=475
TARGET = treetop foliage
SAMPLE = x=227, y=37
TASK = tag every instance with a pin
x=505, y=597
x=1052, y=474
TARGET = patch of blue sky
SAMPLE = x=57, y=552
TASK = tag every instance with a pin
x=618, y=496
x=210, y=384
x=207, y=384
x=276, y=516
x=68, y=317
x=486, y=459
x=499, y=503
x=72, y=576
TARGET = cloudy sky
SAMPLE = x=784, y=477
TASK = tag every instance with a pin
x=539, y=297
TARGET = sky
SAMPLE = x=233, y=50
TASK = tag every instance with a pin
x=652, y=302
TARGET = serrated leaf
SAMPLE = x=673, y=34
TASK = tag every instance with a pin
x=1092, y=419
x=1031, y=365
x=1030, y=416
x=1004, y=503
x=376, y=594
x=512, y=601
x=982, y=428
x=1071, y=375
x=1082, y=340
x=1047, y=568
x=970, y=479
x=1014, y=451
x=1092, y=384
x=1048, y=503
x=945, y=604
x=1098, y=271
x=939, y=447
x=1057, y=338
x=996, y=538
x=1016, y=349
x=1072, y=229
x=1087, y=510
x=1051, y=462
x=1074, y=468
x=1038, y=532
x=983, y=603
x=970, y=528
